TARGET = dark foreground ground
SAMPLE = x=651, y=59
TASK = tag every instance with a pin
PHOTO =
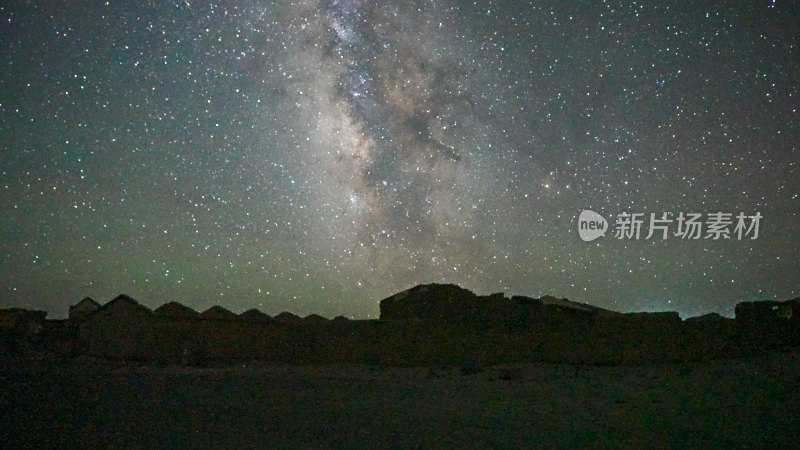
x=81, y=403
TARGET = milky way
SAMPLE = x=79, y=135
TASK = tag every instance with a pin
x=317, y=156
x=400, y=116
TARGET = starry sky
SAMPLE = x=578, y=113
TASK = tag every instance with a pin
x=318, y=156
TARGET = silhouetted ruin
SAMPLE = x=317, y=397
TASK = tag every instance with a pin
x=176, y=310
x=218, y=313
x=425, y=325
x=254, y=315
x=83, y=308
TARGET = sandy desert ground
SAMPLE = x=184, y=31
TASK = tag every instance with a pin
x=741, y=403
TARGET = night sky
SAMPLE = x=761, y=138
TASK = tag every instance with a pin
x=318, y=156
